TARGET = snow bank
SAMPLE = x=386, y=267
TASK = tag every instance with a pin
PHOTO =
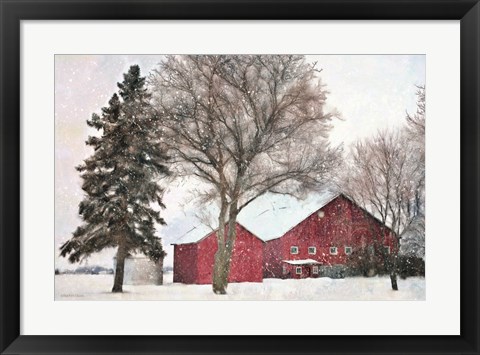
x=97, y=287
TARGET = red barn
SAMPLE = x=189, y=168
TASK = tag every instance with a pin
x=320, y=235
x=194, y=256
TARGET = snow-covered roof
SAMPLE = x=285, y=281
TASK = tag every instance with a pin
x=194, y=235
x=301, y=262
x=269, y=216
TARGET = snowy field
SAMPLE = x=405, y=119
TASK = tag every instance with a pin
x=97, y=287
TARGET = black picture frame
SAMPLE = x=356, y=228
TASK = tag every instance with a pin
x=13, y=12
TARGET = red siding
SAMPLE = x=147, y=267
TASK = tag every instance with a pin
x=247, y=260
x=272, y=256
x=207, y=248
x=246, y=264
x=185, y=263
x=344, y=224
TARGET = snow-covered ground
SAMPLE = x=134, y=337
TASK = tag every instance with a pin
x=97, y=287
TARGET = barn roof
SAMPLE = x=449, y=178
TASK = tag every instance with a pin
x=194, y=234
x=269, y=216
x=199, y=232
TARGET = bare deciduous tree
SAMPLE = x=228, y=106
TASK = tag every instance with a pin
x=244, y=124
x=384, y=177
x=416, y=122
x=413, y=238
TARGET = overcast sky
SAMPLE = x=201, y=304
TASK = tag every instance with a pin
x=370, y=91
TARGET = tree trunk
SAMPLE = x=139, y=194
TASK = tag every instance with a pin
x=230, y=243
x=393, y=279
x=220, y=273
x=223, y=256
x=221, y=266
x=393, y=273
x=119, y=269
x=219, y=279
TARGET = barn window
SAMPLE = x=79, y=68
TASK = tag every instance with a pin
x=387, y=249
x=298, y=270
x=312, y=250
x=333, y=251
x=348, y=250
x=293, y=250
x=315, y=270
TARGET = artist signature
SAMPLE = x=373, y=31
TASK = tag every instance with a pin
x=70, y=295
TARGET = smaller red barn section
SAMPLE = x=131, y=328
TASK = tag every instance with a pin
x=195, y=251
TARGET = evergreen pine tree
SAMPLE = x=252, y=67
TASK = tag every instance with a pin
x=120, y=180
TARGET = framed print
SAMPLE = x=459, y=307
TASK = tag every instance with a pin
x=236, y=177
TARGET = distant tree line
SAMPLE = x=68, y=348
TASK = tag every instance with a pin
x=89, y=270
